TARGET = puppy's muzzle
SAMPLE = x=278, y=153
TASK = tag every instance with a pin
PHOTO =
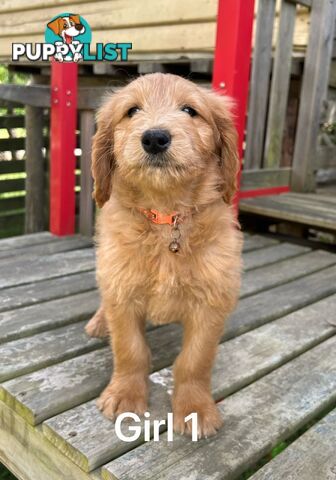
x=156, y=141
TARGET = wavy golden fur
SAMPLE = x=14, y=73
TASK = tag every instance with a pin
x=139, y=277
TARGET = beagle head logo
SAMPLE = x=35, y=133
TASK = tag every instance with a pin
x=68, y=32
x=67, y=27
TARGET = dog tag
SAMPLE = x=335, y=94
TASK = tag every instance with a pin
x=174, y=246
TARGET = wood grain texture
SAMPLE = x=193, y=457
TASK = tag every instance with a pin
x=69, y=243
x=288, y=398
x=38, y=292
x=295, y=211
x=28, y=354
x=280, y=86
x=41, y=268
x=314, y=90
x=243, y=359
x=272, y=254
x=86, y=206
x=26, y=240
x=15, y=324
x=24, y=450
x=254, y=242
x=286, y=270
x=35, y=175
x=261, y=69
x=310, y=457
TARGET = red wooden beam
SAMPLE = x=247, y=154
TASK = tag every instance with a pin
x=62, y=148
x=232, y=59
x=258, y=192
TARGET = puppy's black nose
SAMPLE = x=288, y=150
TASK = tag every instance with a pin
x=78, y=26
x=156, y=140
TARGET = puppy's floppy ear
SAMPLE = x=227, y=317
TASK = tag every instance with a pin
x=103, y=162
x=56, y=25
x=75, y=18
x=221, y=109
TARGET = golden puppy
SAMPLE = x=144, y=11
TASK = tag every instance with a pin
x=168, y=246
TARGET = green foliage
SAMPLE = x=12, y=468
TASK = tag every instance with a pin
x=9, y=77
x=5, y=474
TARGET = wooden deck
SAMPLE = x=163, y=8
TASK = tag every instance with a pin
x=310, y=209
x=275, y=373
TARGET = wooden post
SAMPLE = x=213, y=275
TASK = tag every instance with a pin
x=62, y=149
x=87, y=129
x=314, y=87
x=233, y=56
x=34, y=200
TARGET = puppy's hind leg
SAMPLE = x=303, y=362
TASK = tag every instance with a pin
x=96, y=326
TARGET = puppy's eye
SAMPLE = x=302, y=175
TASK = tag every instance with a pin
x=132, y=111
x=189, y=110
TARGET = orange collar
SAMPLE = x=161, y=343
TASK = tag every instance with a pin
x=159, y=218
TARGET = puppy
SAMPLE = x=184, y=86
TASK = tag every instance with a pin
x=168, y=247
x=67, y=28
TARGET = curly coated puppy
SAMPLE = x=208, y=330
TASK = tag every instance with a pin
x=168, y=247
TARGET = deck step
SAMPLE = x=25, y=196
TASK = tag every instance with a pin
x=300, y=208
x=255, y=419
x=311, y=457
x=239, y=362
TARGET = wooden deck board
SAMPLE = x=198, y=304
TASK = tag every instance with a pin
x=30, y=320
x=50, y=289
x=301, y=208
x=283, y=329
x=21, y=272
x=48, y=248
x=243, y=359
x=311, y=457
x=288, y=398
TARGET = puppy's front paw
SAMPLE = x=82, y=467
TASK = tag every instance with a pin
x=208, y=417
x=96, y=326
x=127, y=395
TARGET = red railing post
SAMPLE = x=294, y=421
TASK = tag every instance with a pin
x=62, y=147
x=232, y=59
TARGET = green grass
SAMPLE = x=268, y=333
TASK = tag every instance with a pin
x=5, y=474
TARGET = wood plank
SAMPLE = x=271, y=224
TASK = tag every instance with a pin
x=310, y=457
x=289, y=398
x=35, y=218
x=86, y=207
x=267, y=306
x=284, y=271
x=61, y=245
x=318, y=197
x=272, y=254
x=265, y=178
x=272, y=207
x=244, y=359
x=34, y=95
x=37, y=292
x=80, y=378
x=280, y=86
x=12, y=184
x=251, y=312
x=28, y=354
x=314, y=89
x=26, y=240
x=24, y=450
x=52, y=266
x=254, y=242
x=45, y=316
x=261, y=69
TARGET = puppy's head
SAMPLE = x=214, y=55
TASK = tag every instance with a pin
x=162, y=130
x=67, y=26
